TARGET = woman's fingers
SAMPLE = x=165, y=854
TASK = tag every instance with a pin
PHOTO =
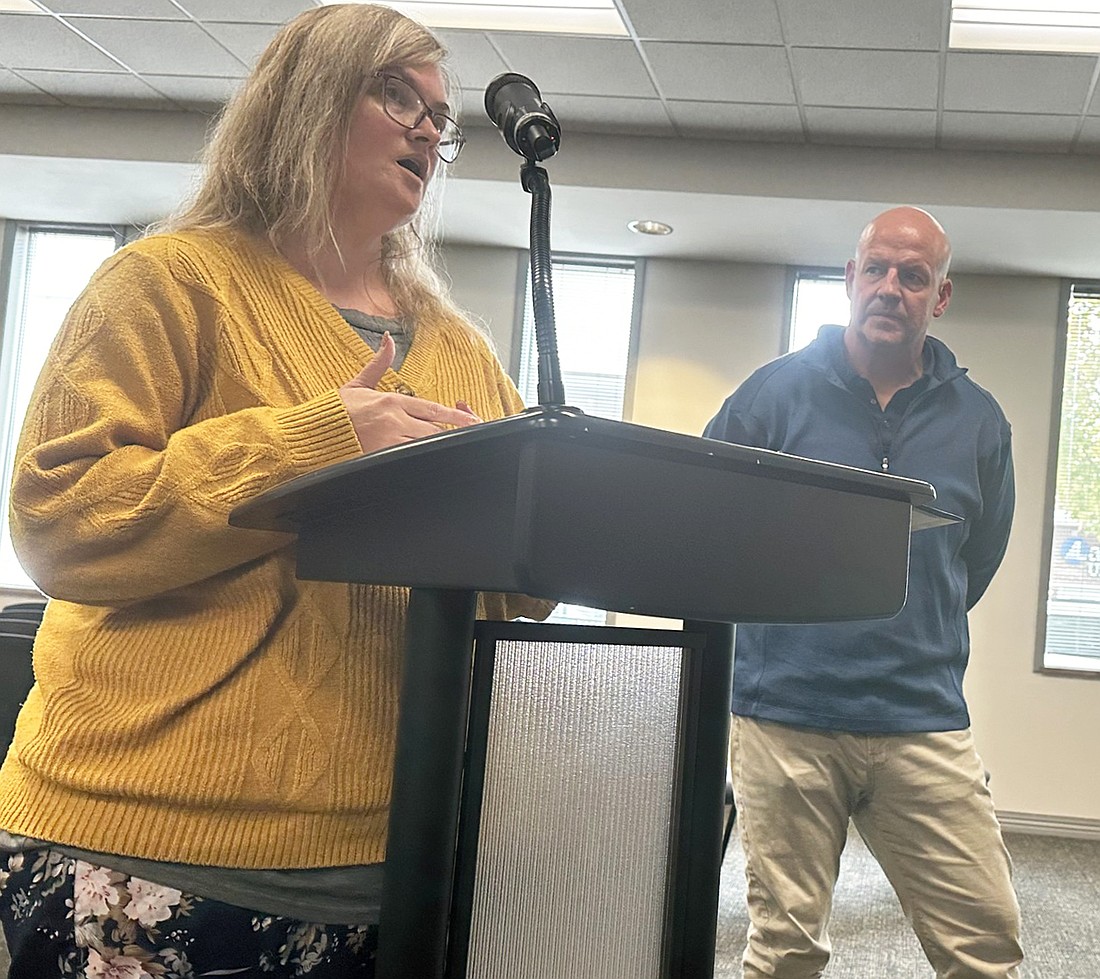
x=370, y=375
x=382, y=419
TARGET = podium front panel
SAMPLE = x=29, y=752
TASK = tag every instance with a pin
x=570, y=839
x=773, y=550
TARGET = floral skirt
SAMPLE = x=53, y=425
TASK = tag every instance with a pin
x=65, y=917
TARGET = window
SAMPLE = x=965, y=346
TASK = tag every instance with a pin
x=48, y=269
x=594, y=314
x=818, y=296
x=595, y=307
x=1070, y=636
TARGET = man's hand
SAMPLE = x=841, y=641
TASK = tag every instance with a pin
x=382, y=419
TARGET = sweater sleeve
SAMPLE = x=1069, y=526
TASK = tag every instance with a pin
x=130, y=460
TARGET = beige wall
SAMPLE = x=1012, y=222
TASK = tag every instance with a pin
x=706, y=326
x=483, y=282
x=1039, y=734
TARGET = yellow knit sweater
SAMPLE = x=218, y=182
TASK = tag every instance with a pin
x=194, y=701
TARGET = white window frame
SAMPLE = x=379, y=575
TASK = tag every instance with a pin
x=1054, y=531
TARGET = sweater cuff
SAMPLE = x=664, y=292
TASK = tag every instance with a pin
x=318, y=432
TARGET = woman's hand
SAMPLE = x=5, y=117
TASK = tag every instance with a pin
x=383, y=419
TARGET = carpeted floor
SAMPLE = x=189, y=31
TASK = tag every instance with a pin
x=1057, y=880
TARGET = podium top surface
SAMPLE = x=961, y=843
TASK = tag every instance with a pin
x=555, y=504
x=310, y=498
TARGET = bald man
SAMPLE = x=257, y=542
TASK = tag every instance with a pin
x=866, y=721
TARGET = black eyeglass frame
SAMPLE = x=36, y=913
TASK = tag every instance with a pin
x=442, y=150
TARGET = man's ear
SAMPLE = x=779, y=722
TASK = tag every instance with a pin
x=944, y=298
x=849, y=276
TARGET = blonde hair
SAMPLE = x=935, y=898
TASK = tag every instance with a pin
x=274, y=158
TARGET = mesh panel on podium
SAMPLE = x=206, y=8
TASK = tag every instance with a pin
x=573, y=791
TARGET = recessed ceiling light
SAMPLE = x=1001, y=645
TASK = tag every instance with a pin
x=1025, y=25
x=650, y=227
x=599, y=17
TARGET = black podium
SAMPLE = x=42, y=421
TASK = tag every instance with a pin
x=555, y=504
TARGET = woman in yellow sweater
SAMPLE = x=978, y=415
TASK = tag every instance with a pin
x=200, y=777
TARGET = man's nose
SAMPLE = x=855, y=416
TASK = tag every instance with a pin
x=890, y=286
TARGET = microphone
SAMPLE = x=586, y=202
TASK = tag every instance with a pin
x=527, y=124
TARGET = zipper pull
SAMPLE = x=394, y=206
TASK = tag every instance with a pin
x=885, y=463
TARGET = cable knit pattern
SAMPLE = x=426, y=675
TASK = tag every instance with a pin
x=194, y=702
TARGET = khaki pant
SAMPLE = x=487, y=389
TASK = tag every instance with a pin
x=921, y=804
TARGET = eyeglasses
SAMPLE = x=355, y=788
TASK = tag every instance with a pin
x=404, y=105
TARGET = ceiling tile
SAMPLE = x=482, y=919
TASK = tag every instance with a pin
x=98, y=89
x=872, y=127
x=170, y=47
x=745, y=22
x=1007, y=131
x=721, y=120
x=869, y=79
x=1017, y=83
x=246, y=41
x=898, y=25
x=40, y=41
x=1088, y=140
x=721, y=72
x=18, y=90
x=246, y=11
x=473, y=60
x=146, y=9
x=207, y=92
x=471, y=108
x=581, y=65
x=584, y=114
x=606, y=114
x=1094, y=105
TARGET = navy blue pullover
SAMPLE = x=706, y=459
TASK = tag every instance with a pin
x=902, y=674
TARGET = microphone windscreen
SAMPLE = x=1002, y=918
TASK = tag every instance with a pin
x=514, y=104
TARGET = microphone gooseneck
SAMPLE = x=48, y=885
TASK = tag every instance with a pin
x=514, y=104
x=551, y=391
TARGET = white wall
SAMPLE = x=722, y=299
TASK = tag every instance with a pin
x=706, y=326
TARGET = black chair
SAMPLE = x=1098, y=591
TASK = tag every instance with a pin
x=24, y=610
x=18, y=624
x=16, y=679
